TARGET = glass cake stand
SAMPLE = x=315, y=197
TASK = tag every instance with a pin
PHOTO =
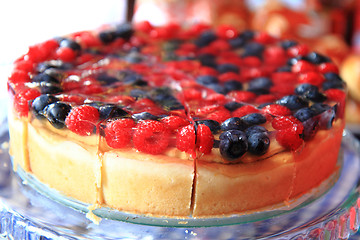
x=29, y=210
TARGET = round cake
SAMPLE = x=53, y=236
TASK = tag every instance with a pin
x=176, y=122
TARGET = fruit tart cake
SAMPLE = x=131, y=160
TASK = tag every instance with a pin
x=176, y=122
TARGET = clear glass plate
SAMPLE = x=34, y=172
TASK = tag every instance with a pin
x=28, y=210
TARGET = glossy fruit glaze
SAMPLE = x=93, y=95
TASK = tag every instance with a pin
x=195, y=89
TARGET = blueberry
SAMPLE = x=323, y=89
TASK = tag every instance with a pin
x=108, y=111
x=53, y=64
x=124, y=31
x=311, y=126
x=233, y=144
x=293, y=102
x=232, y=106
x=314, y=95
x=107, y=36
x=253, y=119
x=247, y=35
x=39, y=104
x=310, y=92
x=56, y=113
x=317, y=58
x=304, y=114
x=212, y=124
x=258, y=143
x=286, y=44
x=327, y=118
x=232, y=85
x=106, y=79
x=163, y=96
x=319, y=108
x=333, y=84
x=217, y=88
x=234, y=123
x=49, y=88
x=333, y=77
x=253, y=49
x=302, y=88
x=260, y=85
x=255, y=129
x=227, y=67
x=284, y=69
x=134, y=80
x=237, y=42
x=138, y=93
x=205, y=38
x=206, y=80
x=145, y=116
x=45, y=78
x=69, y=43
x=208, y=60
x=133, y=57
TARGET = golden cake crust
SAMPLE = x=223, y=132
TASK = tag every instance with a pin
x=168, y=186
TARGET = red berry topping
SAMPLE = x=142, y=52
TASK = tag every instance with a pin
x=244, y=110
x=302, y=66
x=204, y=138
x=118, y=133
x=335, y=95
x=82, y=120
x=313, y=78
x=328, y=67
x=242, y=96
x=151, y=136
x=22, y=100
x=276, y=110
x=219, y=115
x=226, y=31
x=66, y=54
x=298, y=50
x=174, y=122
x=185, y=139
x=287, y=122
x=289, y=138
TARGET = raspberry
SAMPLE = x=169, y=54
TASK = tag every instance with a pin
x=298, y=50
x=192, y=94
x=185, y=140
x=283, y=77
x=204, y=70
x=226, y=32
x=219, y=115
x=174, y=122
x=328, y=67
x=335, y=95
x=18, y=76
x=303, y=66
x=204, y=138
x=252, y=61
x=224, y=77
x=151, y=136
x=22, y=100
x=287, y=122
x=275, y=55
x=276, y=110
x=244, y=110
x=82, y=120
x=264, y=38
x=144, y=26
x=242, y=96
x=66, y=54
x=313, y=78
x=118, y=133
x=265, y=98
x=24, y=65
x=289, y=138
